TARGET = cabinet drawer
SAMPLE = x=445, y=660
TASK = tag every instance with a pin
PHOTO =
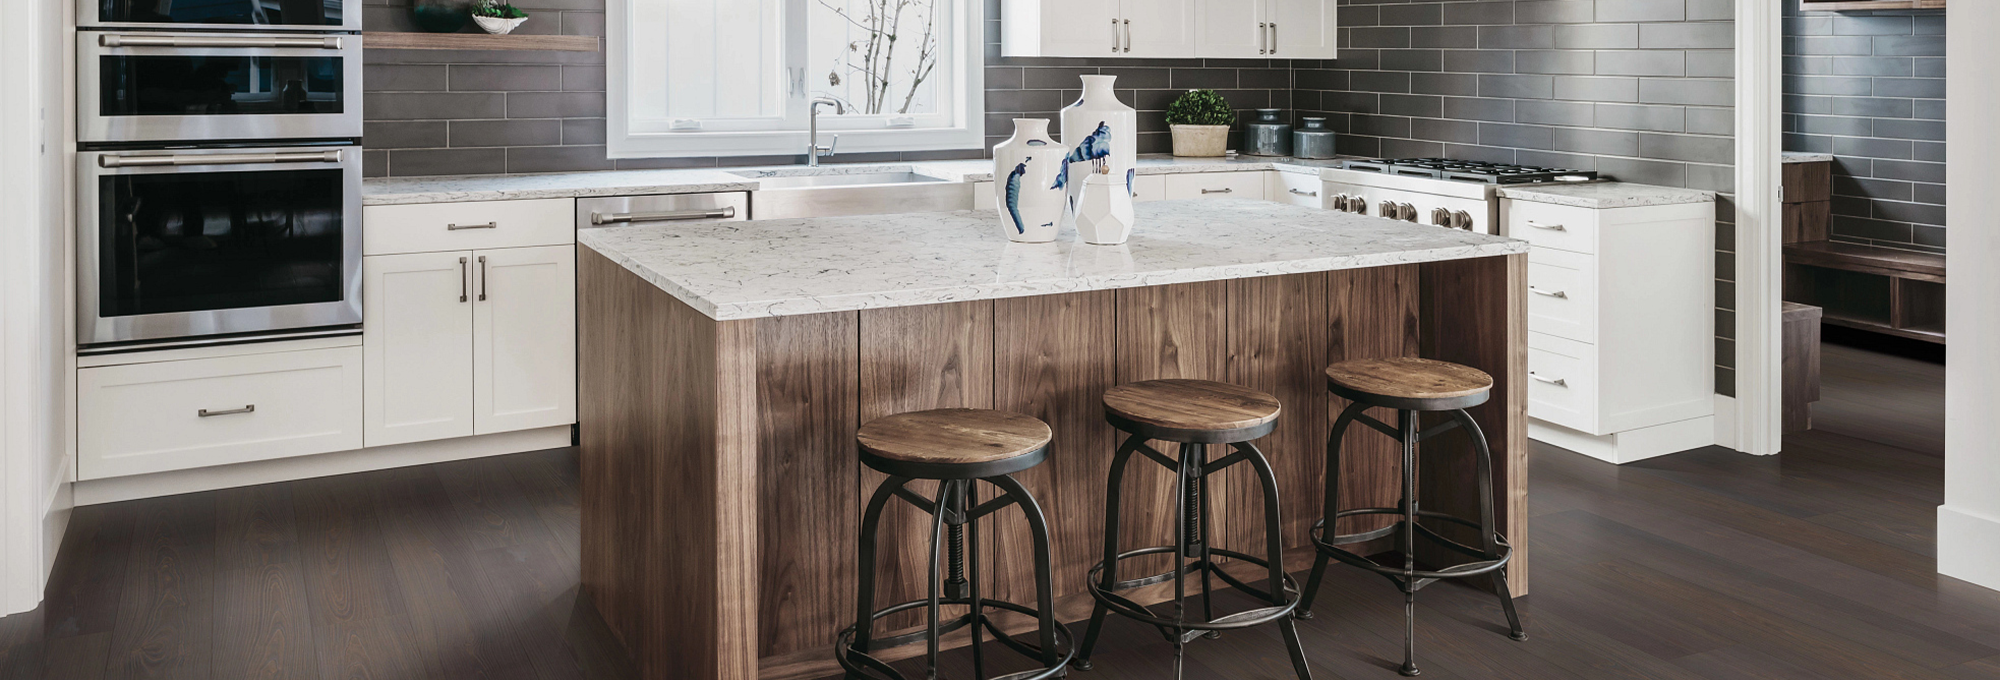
x=1562, y=382
x=1215, y=185
x=1551, y=226
x=1297, y=188
x=142, y=418
x=1562, y=294
x=434, y=227
x=1149, y=188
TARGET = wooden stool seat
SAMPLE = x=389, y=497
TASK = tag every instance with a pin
x=1410, y=383
x=953, y=443
x=1196, y=411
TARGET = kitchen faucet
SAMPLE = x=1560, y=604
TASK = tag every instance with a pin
x=813, y=150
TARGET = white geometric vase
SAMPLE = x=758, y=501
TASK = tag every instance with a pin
x=1102, y=134
x=1104, y=215
x=1028, y=186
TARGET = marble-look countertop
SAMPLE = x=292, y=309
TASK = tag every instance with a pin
x=746, y=270
x=1602, y=195
x=1806, y=157
x=466, y=188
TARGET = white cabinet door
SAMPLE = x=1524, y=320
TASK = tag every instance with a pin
x=1060, y=28
x=524, y=339
x=1304, y=29
x=418, y=342
x=1159, y=28
x=1232, y=28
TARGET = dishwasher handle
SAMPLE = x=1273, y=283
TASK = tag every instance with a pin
x=600, y=219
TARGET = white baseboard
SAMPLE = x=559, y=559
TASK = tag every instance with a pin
x=61, y=496
x=1725, y=422
x=92, y=492
x=1968, y=546
x=1630, y=445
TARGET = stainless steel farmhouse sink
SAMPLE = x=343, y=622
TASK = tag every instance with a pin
x=804, y=193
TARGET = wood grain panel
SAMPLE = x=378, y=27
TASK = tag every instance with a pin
x=1172, y=331
x=1054, y=356
x=913, y=359
x=808, y=478
x=1806, y=182
x=669, y=467
x=1373, y=314
x=1280, y=336
x=1475, y=313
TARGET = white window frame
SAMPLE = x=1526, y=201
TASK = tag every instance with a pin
x=964, y=127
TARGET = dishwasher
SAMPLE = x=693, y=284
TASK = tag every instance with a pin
x=618, y=211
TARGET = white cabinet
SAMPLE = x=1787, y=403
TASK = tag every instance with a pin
x=173, y=415
x=1296, y=188
x=1215, y=185
x=474, y=341
x=524, y=339
x=1298, y=29
x=1621, y=346
x=418, y=320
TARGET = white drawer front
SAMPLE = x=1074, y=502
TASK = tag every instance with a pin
x=1551, y=226
x=1297, y=188
x=143, y=418
x=1215, y=185
x=1562, y=382
x=1562, y=294
x=1149, y=188
x=435, y=227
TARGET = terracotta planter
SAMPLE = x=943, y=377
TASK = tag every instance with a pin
x=1200, y=140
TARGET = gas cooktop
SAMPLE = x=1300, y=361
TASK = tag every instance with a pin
x=1470, y=171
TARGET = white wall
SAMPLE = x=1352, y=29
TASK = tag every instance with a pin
x=34, y=341
x=1969, y=520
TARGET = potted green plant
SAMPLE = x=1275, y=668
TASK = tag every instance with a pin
x=1200, y=120
x=498, y=18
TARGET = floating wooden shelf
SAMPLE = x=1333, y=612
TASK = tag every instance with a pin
x=1847, y=5
x=478, y=41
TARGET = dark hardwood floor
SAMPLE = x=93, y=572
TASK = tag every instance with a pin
x=1814, y=564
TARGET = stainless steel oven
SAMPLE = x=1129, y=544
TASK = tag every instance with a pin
x=195, y=87
x=190, y=243
x=263, y=15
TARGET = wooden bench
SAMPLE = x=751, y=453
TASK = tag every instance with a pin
x=1885, y=290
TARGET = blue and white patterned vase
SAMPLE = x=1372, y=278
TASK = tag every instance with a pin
x=1102, y=134
x=1028, y=184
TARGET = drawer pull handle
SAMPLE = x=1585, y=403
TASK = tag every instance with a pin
x=1223, y=190
x=1550, y=227
x=205, y=413
x=459, y=227
x=1558, y=382
x=1303, y=193
x=725, y=212
x=1554, y=294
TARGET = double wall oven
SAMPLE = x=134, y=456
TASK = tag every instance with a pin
x=219, y=171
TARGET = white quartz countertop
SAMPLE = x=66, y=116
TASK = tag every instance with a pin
x=746, y=270
x=1806, y=157
x=1602, y=195
x=467, y=188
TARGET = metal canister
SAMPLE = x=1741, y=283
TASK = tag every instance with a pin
x=1314, y=141
x=1267, y=136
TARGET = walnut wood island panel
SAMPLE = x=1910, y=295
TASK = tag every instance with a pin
x=721, y=490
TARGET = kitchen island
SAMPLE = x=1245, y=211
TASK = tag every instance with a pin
x=724, y=369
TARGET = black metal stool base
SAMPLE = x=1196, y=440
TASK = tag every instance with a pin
x=1490, y=559
x=860, y=664
x=1193, y=555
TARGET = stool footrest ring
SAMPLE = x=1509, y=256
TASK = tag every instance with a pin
x=1133, y=610
x=1330, y=547
x=864, y=665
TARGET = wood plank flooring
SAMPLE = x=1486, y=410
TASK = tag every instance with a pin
x=1817, y=563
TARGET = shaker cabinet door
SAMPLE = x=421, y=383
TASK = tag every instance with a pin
x=1303, y=29
x=1159, y=28
x=524, y=338
x=1061, y=28
x=1233, y=28
x=418, y=347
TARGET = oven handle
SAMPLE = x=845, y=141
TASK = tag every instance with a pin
x=120, y=161
x=331, y=42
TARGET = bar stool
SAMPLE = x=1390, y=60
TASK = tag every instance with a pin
x=1194, y=413
x=957, y=447
x=1412, y=386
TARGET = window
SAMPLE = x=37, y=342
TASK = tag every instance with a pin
x=735, y=77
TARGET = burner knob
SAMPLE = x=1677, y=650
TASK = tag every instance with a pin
x=1406, y=212
x=1388, y=210
x=1357, y=205
x=1340, y=202
x=1441, y=217
x=1461, y=220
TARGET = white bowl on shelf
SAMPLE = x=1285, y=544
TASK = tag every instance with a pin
x=498, y=25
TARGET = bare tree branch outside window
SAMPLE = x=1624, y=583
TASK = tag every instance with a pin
x=872, y=59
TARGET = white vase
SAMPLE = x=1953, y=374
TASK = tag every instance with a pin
x=1104, y=213
x=1028, y=185
x=1102, y=134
